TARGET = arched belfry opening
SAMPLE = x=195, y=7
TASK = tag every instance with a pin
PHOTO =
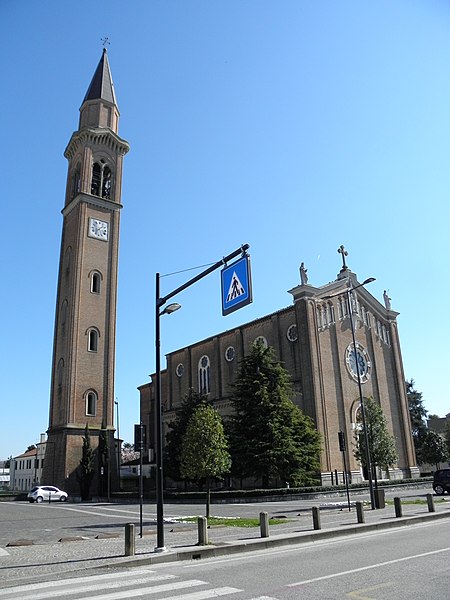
x=101, y=180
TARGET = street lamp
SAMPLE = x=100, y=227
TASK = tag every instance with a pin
x=116, y=403
x=170, y=308
x=349, y=290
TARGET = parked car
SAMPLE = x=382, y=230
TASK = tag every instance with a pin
x=49, y=493
x=441, y=481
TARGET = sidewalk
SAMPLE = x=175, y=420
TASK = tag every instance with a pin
x=24, y=563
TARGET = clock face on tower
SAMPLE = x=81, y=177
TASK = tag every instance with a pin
x=358, y=362
x=98, y=229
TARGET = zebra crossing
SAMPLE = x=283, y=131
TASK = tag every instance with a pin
x=135, y=583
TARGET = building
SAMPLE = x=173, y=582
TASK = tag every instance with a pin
x=313, y=339
x=83, y=368
x=26, y=469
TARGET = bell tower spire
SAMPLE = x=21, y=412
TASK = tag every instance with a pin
x=82, y=384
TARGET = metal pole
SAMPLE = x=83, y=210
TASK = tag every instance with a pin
x=116, y=402
x=361, y=402
x=141, y=490
x=158, y=426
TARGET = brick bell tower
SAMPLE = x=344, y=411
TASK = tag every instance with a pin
x=82, y=383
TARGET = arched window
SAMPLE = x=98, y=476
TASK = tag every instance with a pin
x=91, y=403
x=96, y=279
x=63, y=315
x=101, y=182
x=92, y=340
x=319, y=317
x=96, y=180
x=76, y=181
x=204, y=369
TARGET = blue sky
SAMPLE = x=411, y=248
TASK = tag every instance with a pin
x=293, y=126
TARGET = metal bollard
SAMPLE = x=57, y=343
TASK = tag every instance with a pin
x=130, y=544
x=264, y=524
x=202, y=523
x=360, y=512
x=398, y=507
x=430, y=502
x=316, y=517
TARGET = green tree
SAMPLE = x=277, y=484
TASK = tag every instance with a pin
x=177, y=431
x=204, y=451
x=8, y=462
x=434, y=450
x=381, y=443
x=86, y=466
x=103, y=459
x=270, y=436
x=418, y=415
x=446, y=436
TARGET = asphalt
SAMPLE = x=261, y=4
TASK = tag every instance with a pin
x=22, y=561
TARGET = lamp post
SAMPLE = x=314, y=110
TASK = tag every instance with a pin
x=170, y=308
x=158, y=419
x=116, y=402
x=349, y=290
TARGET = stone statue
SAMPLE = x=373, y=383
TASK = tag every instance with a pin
x=303, y=274
x=387, y=300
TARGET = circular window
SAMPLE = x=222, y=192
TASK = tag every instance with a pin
x=261, y=340
x=204, y=361
x=291, y=333
x=180, y=369
x=358, y=364
x=230, y=353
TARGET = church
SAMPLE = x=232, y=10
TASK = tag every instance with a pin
x=313, y=339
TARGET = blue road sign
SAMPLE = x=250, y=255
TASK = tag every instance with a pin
x=236, y=285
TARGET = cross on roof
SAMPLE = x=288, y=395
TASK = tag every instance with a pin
x=344, y=253
x=105, y=41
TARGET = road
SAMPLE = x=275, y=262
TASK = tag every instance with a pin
x=47, y=523
x=398, y=564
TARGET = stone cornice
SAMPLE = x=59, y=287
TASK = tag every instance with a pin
x=99, y=136
x=91, y=200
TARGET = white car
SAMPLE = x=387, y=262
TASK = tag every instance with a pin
x=48, y=493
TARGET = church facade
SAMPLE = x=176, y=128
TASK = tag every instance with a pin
x=313, y=340
x=83, y=368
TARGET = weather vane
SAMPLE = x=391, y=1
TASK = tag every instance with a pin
x=105, y=42
x=344, y=253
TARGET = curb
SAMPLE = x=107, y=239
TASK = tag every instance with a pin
x=200, y=552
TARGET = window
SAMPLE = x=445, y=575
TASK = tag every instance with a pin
x=96, y=279
x=292, y=334
x=91, y=404
x=230, y=354
x=60, y=372
x=76, y=181
x=92, y=340
x=96, y=179
x=101, y=181
x=204, y=384
x=261, y=340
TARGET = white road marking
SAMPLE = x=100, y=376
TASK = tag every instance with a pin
x=375, y=566
x=74, y=581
